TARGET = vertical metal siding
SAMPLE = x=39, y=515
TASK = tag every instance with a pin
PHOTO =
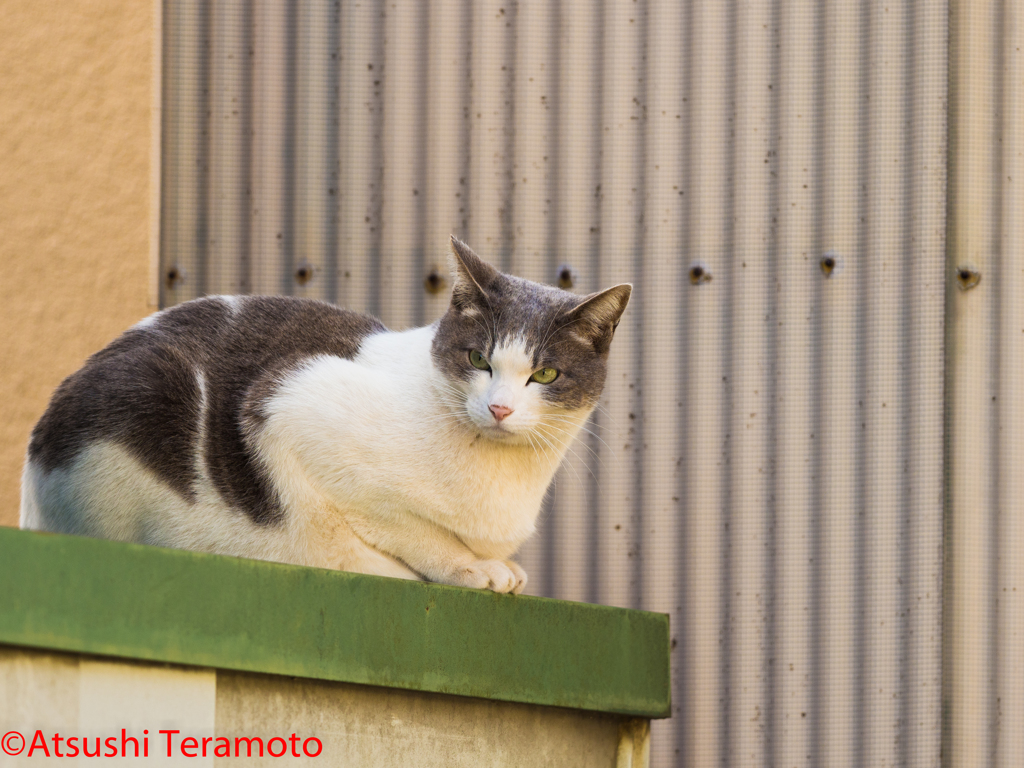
x=273, y=122
x=704, y=377
x=447, y=162
x=972, y=396
x=843, y=91
x=1009, y=662
x=922, y=564
x=577, y=215
x=315, y=214
x=490, y=111
x=404, y=166
x=749, y=600
x=228, y=251
x=183, y=155
x=362, y=65
x=984, y=581
x=661, y=316
x=885, y=374
x=794, y=506
x=767, y=462
x=620, y=198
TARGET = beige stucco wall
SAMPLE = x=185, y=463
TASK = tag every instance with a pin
x=75, y=106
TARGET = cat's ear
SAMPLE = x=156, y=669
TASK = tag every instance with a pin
x=597, y=316
x=472, y=275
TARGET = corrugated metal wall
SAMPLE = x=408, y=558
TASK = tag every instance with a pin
x=984, y=578
x=769, y=464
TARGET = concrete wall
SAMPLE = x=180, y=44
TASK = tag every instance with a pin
x=76, y=85
x=82, y=696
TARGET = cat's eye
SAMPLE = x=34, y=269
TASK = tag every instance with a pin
x=479, y=361
x=544, y=375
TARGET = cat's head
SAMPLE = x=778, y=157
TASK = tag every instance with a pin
x=523, y=362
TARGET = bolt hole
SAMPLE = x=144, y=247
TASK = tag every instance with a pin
x=304, y=273
x=174, y=276
x=967, y=278
x=831, y=264
x=434, y=282
x=699, y=273
x=565, y=277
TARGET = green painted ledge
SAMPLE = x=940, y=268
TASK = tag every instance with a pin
x=132, y=601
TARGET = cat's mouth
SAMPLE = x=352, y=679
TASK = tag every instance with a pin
x=497, y=432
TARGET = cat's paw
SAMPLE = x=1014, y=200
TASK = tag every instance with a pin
x=494, y=575
x=520, y=575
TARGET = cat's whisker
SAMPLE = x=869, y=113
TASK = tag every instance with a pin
x=455, y=396
x=570, y=466
x=451, y=402
x=594, y=434
x=593, y=456
x=446, y=386
x=546, y=425
x=438, y=417
x=539, y=434
x=602, y=410
x=450, y=419
x=555, y=431
x=591, y=434
x=550, y=440
x=453, y=412
x=568, y=439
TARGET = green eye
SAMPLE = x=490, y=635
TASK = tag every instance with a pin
x=544, y=376
x=478, y=361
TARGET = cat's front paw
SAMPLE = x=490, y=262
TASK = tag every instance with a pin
x=520, y=575
x=495, y=575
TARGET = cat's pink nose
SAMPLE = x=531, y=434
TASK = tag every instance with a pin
x=499, y=411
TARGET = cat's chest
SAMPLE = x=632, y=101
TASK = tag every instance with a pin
x=379, y=437
x=482, y=491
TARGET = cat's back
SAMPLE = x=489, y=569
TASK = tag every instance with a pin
x=169, y=391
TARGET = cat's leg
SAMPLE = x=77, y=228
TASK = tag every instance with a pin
x=435, y=552
x=323, y=536
x=357, y=556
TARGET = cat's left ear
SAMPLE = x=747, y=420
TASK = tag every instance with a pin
x=598, y=315
x=472, y=274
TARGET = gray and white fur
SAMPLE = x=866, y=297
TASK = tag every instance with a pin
x=291, y=430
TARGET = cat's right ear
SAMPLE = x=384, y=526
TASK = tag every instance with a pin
x=472, y=275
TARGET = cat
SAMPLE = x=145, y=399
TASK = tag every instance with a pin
x=291, y=430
